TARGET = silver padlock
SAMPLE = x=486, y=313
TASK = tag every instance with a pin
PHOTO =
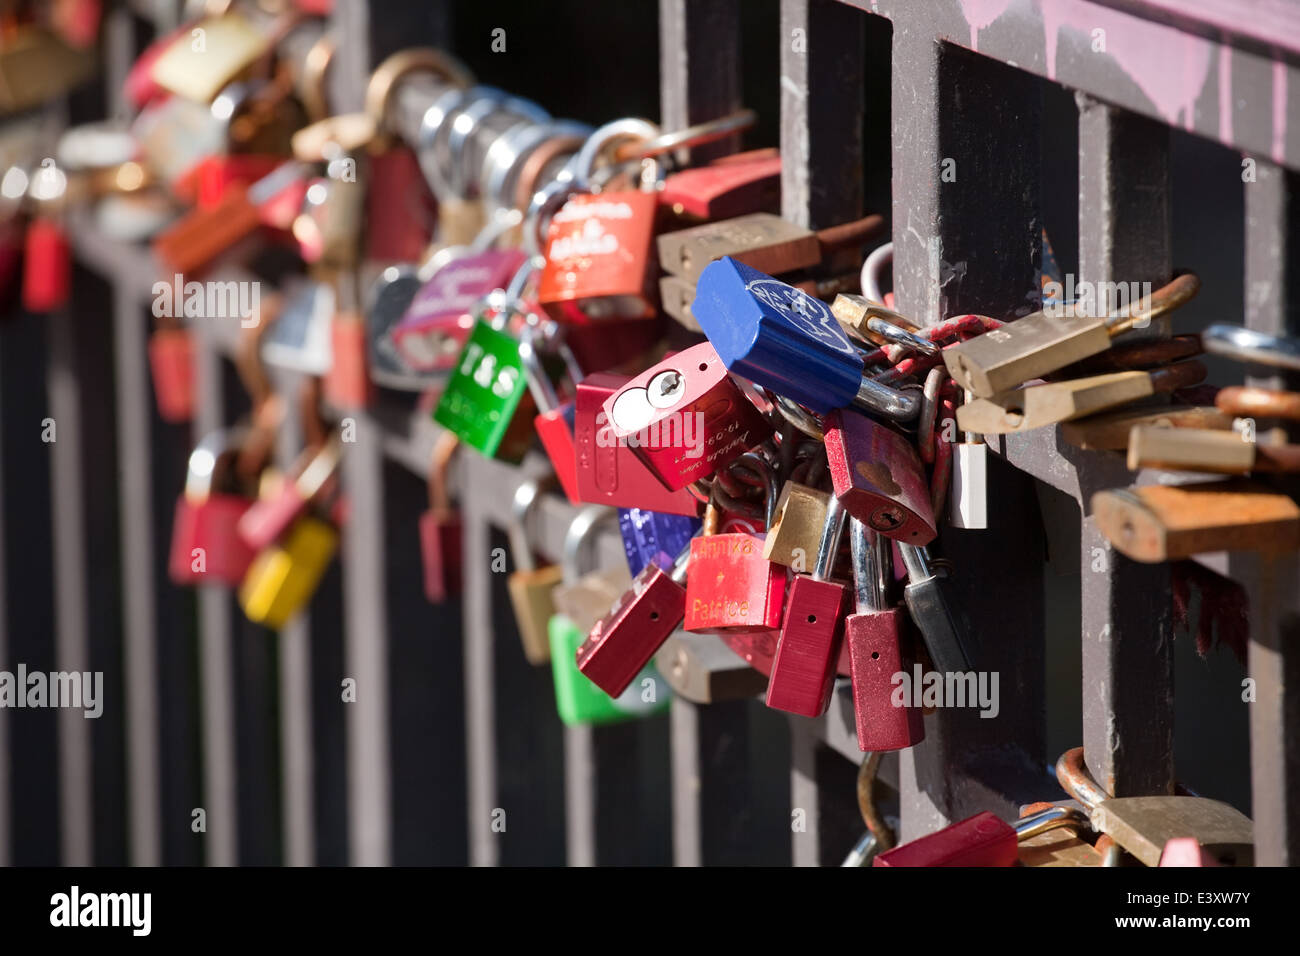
x=968, y=502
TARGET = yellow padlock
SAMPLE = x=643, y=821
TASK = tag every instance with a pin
x=284, y=576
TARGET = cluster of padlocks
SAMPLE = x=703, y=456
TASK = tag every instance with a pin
x=778, y=446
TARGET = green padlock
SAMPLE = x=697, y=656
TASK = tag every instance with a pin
x=487, y=402
x=585, y=598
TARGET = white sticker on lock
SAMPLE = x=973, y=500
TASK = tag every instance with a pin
x=969, y=498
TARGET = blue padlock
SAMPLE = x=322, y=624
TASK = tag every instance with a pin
x=784, y=339
x=647, y=534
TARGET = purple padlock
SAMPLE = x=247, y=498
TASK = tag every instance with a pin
x=435, y=326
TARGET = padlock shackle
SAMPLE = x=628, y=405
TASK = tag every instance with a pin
x=873, y=271
x=386, y=77
x=1247, y=345
x=539, y=383
x=488, y=103
x=828, y=547
x=205, y=459
x=1073, y=776
x=697, y=134
x=1246, y=401
x=762, y=471
x=565, y=139
x=526, y=497
x=866, y=789
x=871, y=565
x=584, y=163
x=588, y=521
x=897, y=405
x=798, y=416
x=444, y=450
x=916, y=558
x=1179, y=291
x=1053, y=818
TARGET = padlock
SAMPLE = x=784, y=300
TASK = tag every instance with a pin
x=761, y=241
x=647, y=534
x=1249, y=402
x=700, y=668
x=781, y=338
x=171, y=362
x=932, y=605
x=739, y=184
x=583, y=596
x=579, y=699
x=877, y=639
x=608, y=470
x=599, y=262
x=981, y=840
x=206, y=546
x=441, y=529
x=202, y=60
x=554, y=421
x=1199, y=449
x=796, y=525
x=283, y=577
x=879, y=478
x=301, y=337
x=529, y=586
x=1036, y=406
x=580, y=702
x=347, y=383
x=685, y=418
x=1110, y=431
x=1143, y=826
x=731, y=587
x=625, y=639
x=47, y=256
x=486, y=401
x=803, y=670
x=269, y=518
x=434, y=327
x=1032, y=346
x=215, y=175
x=1155, y=523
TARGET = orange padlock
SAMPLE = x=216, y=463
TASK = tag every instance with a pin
x=347, y=383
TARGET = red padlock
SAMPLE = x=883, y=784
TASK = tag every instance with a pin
x=206, y=547
x=878, y=477
x=400, y=209
x=215, y=174
x=554, y=422
x=685, y=418
x=47, y=266
x=874, y=639
x=726, y=188
x=607, y=471
x=441, y=530
x=732, y=588
x=981, y=840
x=347, y=383
x=624, y=640
x=599, y=261
x=803, y=671
x=171, y=360
x=269, y=518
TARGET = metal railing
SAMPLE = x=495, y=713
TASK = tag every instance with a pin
x=445, y=731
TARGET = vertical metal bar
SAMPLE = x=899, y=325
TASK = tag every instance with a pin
x=297, y=764
x=967, y=239
x=1127, y=627
x=366, y=649
x=805, y=796
x=821, y=112
x=71, y=635
x=139, y=651
x=216, y=660
x=6, y=770
x=684, y=744
x=1273, y=305
x=580, y=796
x=480, y=694
x=699, y=67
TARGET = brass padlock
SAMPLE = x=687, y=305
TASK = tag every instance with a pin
x=1036, y=406
x=1190, y=449
x=202, y=60
x=529, y=586
x=1027, y=348
x=1110, y=432
x=283, y=577
x=586, y=597
x=796, y=527
x=1156, y=523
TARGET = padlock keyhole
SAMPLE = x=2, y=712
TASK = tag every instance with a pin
x=812, y=618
